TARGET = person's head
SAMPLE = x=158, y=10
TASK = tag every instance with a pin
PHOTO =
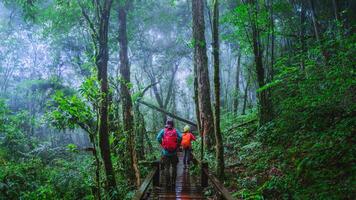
x=186, y=128
x=169, y=123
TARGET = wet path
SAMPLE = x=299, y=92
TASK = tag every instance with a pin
x=187, y=187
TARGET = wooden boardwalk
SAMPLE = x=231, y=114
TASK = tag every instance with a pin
x=187, y=187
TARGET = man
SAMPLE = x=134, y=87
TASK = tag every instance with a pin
x=170, y=138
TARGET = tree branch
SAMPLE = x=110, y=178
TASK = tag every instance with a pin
x=170, y=87
x=167, y=113
x=94, y=33
x=98, y=8
x=148, y=87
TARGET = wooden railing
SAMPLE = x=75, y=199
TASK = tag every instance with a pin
x=206, y=176
x=153, y=176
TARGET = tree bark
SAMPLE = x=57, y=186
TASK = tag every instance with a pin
x=237, y=85
x=125, y=91
x=265, y=104
x=336, y=10
x=246, y=94
x=272, y=41
x=149, y=144
x=197, y=111
x=140, y=132
x=218, y=137
x=140, y=124
x=201, y=61
x=302, y=36
x=315, y=21
x=102, y=58
x=318, y=33
x=96, y=163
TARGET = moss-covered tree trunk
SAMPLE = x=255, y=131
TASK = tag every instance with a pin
x=201, y=61
x=218, y=137
x=237, y=85
x=265, y=103
x=125, y=92
x=102, y=58
x=246, y=93
x=140, y=132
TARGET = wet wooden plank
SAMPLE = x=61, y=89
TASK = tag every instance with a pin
x=144, y=186
x=186, y=187
x=219, y=186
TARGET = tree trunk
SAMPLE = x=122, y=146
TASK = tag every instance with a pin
x=237, y=85
x=265, y=104
x=302, y=36
x=163, y=102
x=218, y=137
x=246, y=94
x=272, y=41
x=201, y=61
x=140, y=132
x=197, y=111
x=96, y=163
x=315, y=21
x=336, y=10
x=317, y=32
x=97, y=194
x=149, y=144
x=125, y=92
x=102, y=58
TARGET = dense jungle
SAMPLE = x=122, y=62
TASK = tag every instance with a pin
x=267, y=87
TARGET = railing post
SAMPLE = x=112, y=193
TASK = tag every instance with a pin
x=156, y=164
x=203, y=176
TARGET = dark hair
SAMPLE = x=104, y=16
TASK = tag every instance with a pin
x=169, y=123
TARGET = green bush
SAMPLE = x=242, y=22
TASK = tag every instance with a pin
x=307, y=152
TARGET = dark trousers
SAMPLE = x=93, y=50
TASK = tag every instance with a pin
x=170, y=168
x=186, y=158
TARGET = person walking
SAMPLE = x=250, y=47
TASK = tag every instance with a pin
x=169, y=138
x=186, y=144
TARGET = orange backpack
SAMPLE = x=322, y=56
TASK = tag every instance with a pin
x=185, y=140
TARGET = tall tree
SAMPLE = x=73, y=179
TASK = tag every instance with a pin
x=237, y=84
x=265, y=107
x=316, y=24
x=197, y=111
x=101, y=61
x=218, y=136
x=246, y=92
x=162, y=100
x=201, y=62
x=302, y=35
x=125, y=90
x=272, y=34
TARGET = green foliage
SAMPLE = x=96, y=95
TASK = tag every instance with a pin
x=33, y=179
x=72, y=147
x=25, y=174
x=70, y=112
x=76, y=111
x=12, y=128
x=29, y=8
x=242, y=18
x=307, y=152
x=61, y=16
x=315, y=123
